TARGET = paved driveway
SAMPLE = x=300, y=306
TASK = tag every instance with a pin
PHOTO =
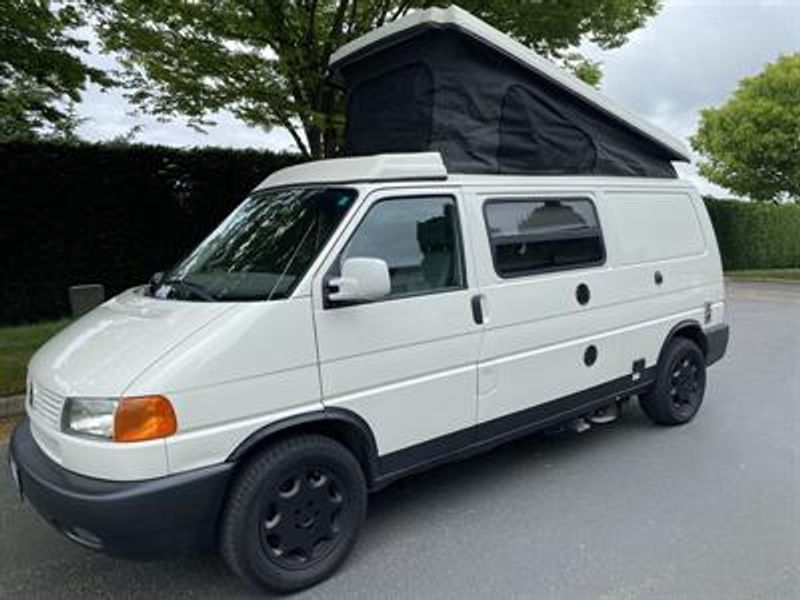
x=708, y=511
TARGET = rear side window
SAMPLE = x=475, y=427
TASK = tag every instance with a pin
x=655, y=226
x=544, y=234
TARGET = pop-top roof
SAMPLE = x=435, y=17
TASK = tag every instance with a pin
x=351, y=67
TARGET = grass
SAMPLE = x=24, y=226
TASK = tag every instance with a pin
x=766, y=275
x=7, y=425
x=17, y=345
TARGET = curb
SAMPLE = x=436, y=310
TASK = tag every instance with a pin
x=770, y=280
x=11, y=406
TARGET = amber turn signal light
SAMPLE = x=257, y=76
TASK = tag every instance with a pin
x=144, y=418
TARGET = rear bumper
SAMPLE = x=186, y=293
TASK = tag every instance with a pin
x=716, y=342
x=138, y=519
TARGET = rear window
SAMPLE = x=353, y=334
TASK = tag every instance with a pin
x=543, y=234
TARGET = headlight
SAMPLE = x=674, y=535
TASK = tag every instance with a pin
x=93, y=417
x=121, y=420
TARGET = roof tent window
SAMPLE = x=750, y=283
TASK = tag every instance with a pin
x=548, y=234
x=392, y=112
x=536, y=137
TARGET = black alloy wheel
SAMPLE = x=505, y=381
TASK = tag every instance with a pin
x=293, y=513
x=302, y=517
x=680, y=384
x=687, y=384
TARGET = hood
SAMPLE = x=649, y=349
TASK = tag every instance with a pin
x=101, y=353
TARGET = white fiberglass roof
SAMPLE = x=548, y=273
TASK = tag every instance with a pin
x=379, y=167
x=427, y=166
x=460, y=19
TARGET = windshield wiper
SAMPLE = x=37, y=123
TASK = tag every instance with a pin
x=195, y=288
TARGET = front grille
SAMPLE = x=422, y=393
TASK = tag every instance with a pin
x=47, y=405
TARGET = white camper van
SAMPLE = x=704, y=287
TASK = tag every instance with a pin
x=357, y=320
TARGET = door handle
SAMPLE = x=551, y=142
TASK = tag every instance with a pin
x=477, y=309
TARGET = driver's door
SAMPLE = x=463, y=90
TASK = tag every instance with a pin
x=407, y=363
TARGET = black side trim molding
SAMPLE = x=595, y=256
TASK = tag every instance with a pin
x=689, y=326
x=717, y=337
x=485, y=436
x=357, y=432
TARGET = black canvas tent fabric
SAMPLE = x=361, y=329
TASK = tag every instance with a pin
x=441, y=89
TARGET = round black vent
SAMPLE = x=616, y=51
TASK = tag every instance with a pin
x=590, y=356
x=582, y=294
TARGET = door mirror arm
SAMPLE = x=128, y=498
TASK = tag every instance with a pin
x=155, y=281
x=329, y=289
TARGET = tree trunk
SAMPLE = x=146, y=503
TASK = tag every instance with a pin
x=325, y=141
x=314, y=137
x=333, y=144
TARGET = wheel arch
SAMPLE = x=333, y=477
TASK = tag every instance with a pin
x=687, y=329
x=344, y=426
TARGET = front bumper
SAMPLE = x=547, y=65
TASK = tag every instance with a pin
x=138, y=519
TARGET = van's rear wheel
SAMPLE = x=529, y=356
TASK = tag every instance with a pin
x=680, y=385
x=294, y=513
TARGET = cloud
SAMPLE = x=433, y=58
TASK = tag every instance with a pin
x=692, y=56
x=108, y=114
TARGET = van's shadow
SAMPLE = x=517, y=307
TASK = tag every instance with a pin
x=502, y=465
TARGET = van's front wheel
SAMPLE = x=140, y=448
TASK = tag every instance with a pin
x=680, y=385
x=294, y=513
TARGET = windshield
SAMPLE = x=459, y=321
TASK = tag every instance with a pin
x=262, y=250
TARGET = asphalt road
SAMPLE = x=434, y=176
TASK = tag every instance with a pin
x=710, y=510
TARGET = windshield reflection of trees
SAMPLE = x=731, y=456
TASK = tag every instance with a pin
x=273, y=234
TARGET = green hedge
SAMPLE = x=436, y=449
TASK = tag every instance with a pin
x=756, y=235
x=108, y=214
x=92, y=213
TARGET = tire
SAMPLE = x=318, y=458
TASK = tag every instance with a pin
x=293, y=514
x=680, y=385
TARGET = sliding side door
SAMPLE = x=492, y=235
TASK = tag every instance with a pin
x=550, y=343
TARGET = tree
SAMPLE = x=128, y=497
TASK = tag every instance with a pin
x=41, y=76
x=751, y=144
x=266, y=60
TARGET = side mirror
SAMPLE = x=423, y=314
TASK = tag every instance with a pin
x=362, y=280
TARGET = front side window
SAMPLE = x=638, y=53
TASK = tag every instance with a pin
x=530, y=236
x=419, y=240
x=262, y=250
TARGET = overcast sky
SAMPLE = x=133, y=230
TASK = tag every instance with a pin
x=689, y=57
